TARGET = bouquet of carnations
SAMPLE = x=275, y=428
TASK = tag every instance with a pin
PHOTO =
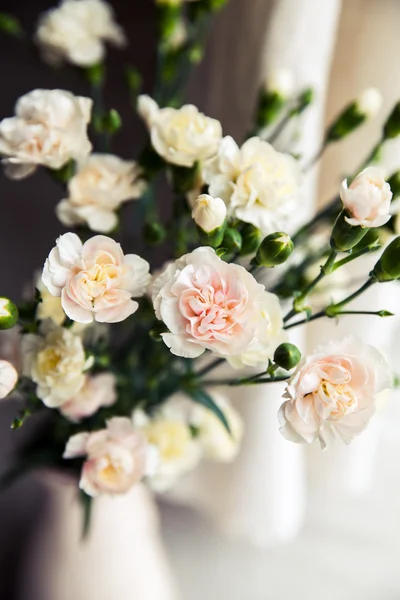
x=117, y=355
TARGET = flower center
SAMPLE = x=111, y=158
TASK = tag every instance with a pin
x=170, y=437
x=49, y=359
x=338, y=399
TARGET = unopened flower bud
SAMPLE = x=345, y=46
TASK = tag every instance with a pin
x=365, y=107
x=391, y=128
x=345, y=236
x=281, y=82
x=287, y=356
x=251, y=239
x=209, y=213
x=274, y=250
x=278, y=88
x=232, y=240
x=8, y=314
x=388, y=266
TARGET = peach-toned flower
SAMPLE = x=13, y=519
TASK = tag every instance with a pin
x=55, y=360
x=49, y=129
x=115, y=457
x=95, y=280
x=97, y=391
x=367, y=199
x=181, y=136
x=207, y=303
x=8, y=378
x=76, y=32
x=333, y=391
x=100, y=185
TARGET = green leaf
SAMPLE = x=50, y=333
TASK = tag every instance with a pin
x=87, y=504
x=201, y=397
x=385, y=313
x=10, y=25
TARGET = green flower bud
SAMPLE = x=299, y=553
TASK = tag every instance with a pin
x=391, y=128
x=345, y=236
x=8, y=314
x=274, y=250
x=251, y=239
x=287, y=356
x=304, y=100
x=232, y=240
x=269, y=107
x=112, y=121
x=154, y=233
x=10, y=25
x=133, y=79
x=168, y=15
x=211, y=238
x=388, y=266
x=96, y=74
x=366, y=106
x=371, y=238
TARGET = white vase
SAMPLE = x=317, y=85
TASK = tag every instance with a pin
x=121, y=559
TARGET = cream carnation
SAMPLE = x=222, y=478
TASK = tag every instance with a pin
x=97, y=391
x=333, y=391
x=55, y=360
x=115, y=457
x=76, y=32
x=258, y=184
x=49, y=129
x=8, y=378
x=367, y=199
x=169, y=435
x=95, y=280
x=208, y=304
x=99, y=187
x=181, y=136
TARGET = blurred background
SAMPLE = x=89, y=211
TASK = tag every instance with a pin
x=282, y=521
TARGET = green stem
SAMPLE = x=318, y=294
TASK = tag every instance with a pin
x=351, y=257
x=210, y=367
x=332, y=309
x=315, y=158
x=326, y=269
x=239, y=382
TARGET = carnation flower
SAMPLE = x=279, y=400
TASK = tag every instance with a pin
x=333, y=391
x=99, y=187
x=95, y=280
x=55, y=360
x=258, y=184
x=208, y=304
x=367, y=199
x=49, y=129
x=76, y=32
x=209, y=213
x=181, y=136
x=97, y=391
x=8, y=378
x=115, y=457
x=176, y=452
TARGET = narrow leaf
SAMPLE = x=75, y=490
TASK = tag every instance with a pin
x=201, y=397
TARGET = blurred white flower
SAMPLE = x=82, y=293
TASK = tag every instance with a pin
x=367, y=199
x=97, y=391
x=76, y=32
x=8, y=378
x=100, y=185
x=116, y=457
x=49, y=129
x=333, y=391
x=95, y=280
x=258, y=184
x=181, y=136
x=209, y=213
x=168, y=432
x=217, y=443
x=369, y=103
x=280, y=81
x=55, y=360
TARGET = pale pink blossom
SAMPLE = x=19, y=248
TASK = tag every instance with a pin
x=95, y=280
x=333, y=391
x=8, y=378
x=97, y=391
x=367, y=199
x=115, y=457
x=207, y=303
